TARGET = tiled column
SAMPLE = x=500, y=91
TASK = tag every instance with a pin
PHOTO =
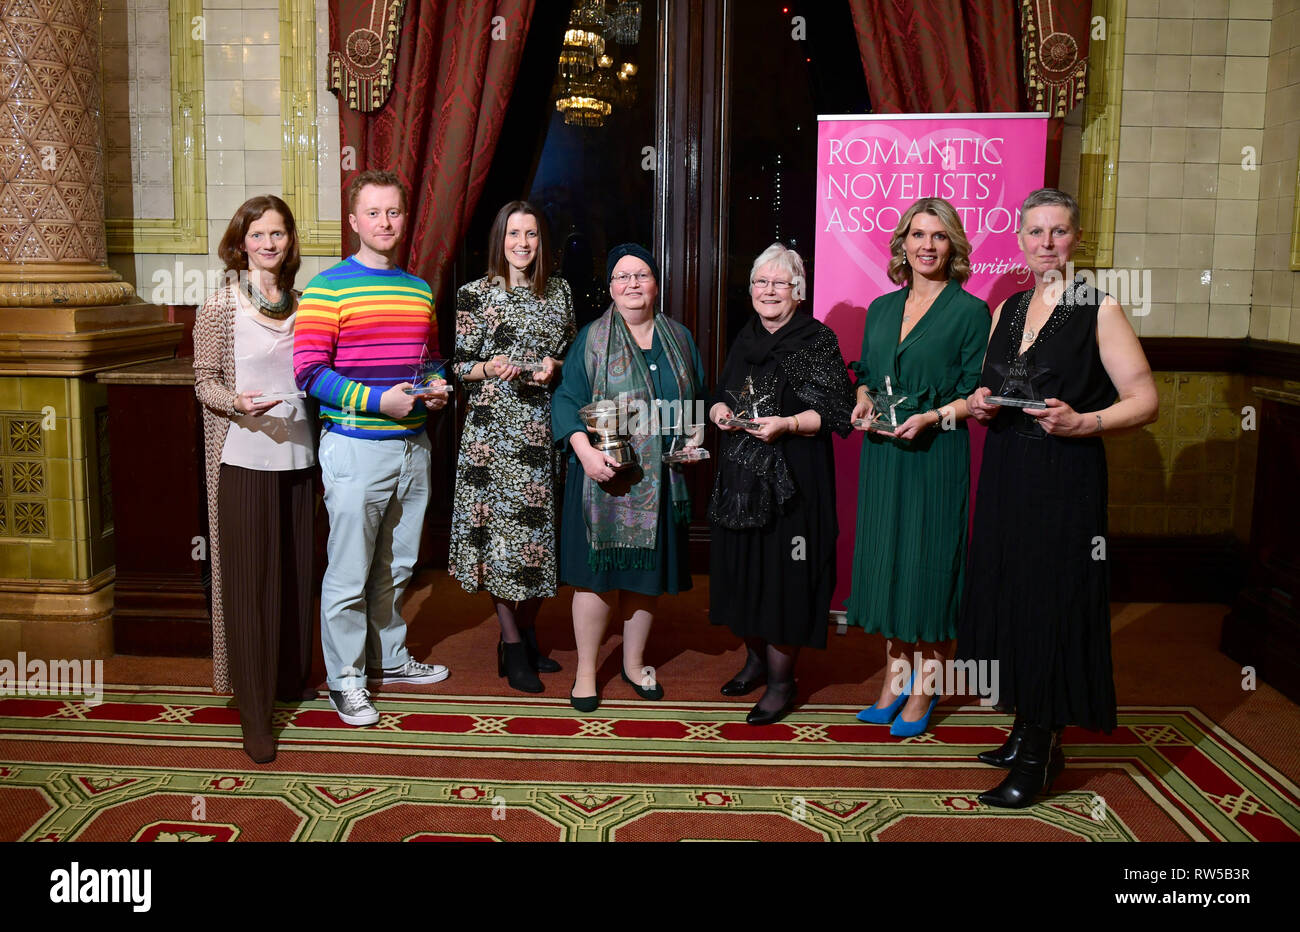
x=63, y=316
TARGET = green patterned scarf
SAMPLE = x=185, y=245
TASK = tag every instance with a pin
x=621, y=529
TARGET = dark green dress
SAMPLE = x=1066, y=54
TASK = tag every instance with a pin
x=909, y=555
x=672, y=574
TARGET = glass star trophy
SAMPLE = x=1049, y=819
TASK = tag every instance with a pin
x=679, y=451
x=429, y=376
x=526, y=353
x=884, y=409
x=1018, y=384
x=746, y=407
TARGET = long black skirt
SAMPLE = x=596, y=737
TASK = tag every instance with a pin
x=1038, y=582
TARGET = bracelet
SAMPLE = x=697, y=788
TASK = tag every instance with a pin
x=1099, y=427
x=795, y=418
x=938, y=417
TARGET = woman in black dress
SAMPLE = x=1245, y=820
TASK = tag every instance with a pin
x=1038, y=586
x=772, y=555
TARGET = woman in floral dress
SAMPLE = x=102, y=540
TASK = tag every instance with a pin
x=503, y=514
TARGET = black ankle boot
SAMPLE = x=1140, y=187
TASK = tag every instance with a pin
x=1039, y=762
x=1005, y=756
x=512, y=663
x=536, y=659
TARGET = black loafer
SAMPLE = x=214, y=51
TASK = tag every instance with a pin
x=585, y=703
x=757, y=716
x=739, y=687
x=656, y=692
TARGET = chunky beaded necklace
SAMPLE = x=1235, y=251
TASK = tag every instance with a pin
x=276, y=310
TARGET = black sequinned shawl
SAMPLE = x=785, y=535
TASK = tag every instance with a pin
x=797, y=368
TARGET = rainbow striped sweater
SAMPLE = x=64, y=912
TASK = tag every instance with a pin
x=359, y=332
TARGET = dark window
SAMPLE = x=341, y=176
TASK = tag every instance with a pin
x=780, y=83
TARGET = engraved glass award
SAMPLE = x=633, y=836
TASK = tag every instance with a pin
x=884, y=409
x=679, y=451
x=526, y=353
x=429, y=376
x=746, y=407
x=1018, y=384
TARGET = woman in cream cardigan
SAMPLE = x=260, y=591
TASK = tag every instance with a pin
x=260, y=463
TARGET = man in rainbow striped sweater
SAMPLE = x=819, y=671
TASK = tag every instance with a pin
x=361, y=329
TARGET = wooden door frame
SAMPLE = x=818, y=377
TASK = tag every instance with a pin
x=692, y=135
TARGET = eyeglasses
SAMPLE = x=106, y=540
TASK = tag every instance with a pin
x=762, y=283
x=622, y=278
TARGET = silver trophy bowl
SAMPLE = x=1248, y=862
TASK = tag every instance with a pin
x=602, y=418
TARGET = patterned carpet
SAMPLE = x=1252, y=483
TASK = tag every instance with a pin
x=164, y=764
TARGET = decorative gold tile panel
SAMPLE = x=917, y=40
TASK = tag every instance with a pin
x=24, y=492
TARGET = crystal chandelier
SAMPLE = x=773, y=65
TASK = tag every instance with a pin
x=580, y=50
x=586, y=100
x=625, y=22
x=583, y=111
x=588, y=83
x=589, y=14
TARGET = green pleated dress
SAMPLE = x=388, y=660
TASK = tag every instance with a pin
x=909, y=553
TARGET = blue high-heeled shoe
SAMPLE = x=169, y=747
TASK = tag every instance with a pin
x=902, y=728
x=877, y=716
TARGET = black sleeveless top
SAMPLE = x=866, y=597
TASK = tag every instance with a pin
x=1065, y=353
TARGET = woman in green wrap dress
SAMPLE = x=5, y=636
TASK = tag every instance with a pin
x=921, y=353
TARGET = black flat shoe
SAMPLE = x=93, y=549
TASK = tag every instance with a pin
x=738, y=687
x=1005, y=756
x=584, y=703
x=655, y=692
x=758, y=716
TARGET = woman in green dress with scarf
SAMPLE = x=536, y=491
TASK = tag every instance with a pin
x=922, y=349
x=623, y=531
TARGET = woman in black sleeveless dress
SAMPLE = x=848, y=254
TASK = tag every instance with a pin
x=1038, y=584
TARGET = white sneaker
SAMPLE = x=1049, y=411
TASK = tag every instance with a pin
x=410, y=672
x=354, y=706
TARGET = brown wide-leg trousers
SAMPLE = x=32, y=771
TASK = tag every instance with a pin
x=266, y=577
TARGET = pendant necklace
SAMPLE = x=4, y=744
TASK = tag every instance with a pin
x=920, y=311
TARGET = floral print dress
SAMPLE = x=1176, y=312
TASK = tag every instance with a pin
x=503, y=511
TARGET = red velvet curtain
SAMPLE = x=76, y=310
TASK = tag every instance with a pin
x=939, y=56
x=455, y=67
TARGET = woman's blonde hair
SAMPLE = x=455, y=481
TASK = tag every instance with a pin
x=900, y=273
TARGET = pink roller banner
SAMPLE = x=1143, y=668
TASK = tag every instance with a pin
x=870, y=169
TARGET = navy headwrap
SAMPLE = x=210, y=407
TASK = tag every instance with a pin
x=630, y=249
